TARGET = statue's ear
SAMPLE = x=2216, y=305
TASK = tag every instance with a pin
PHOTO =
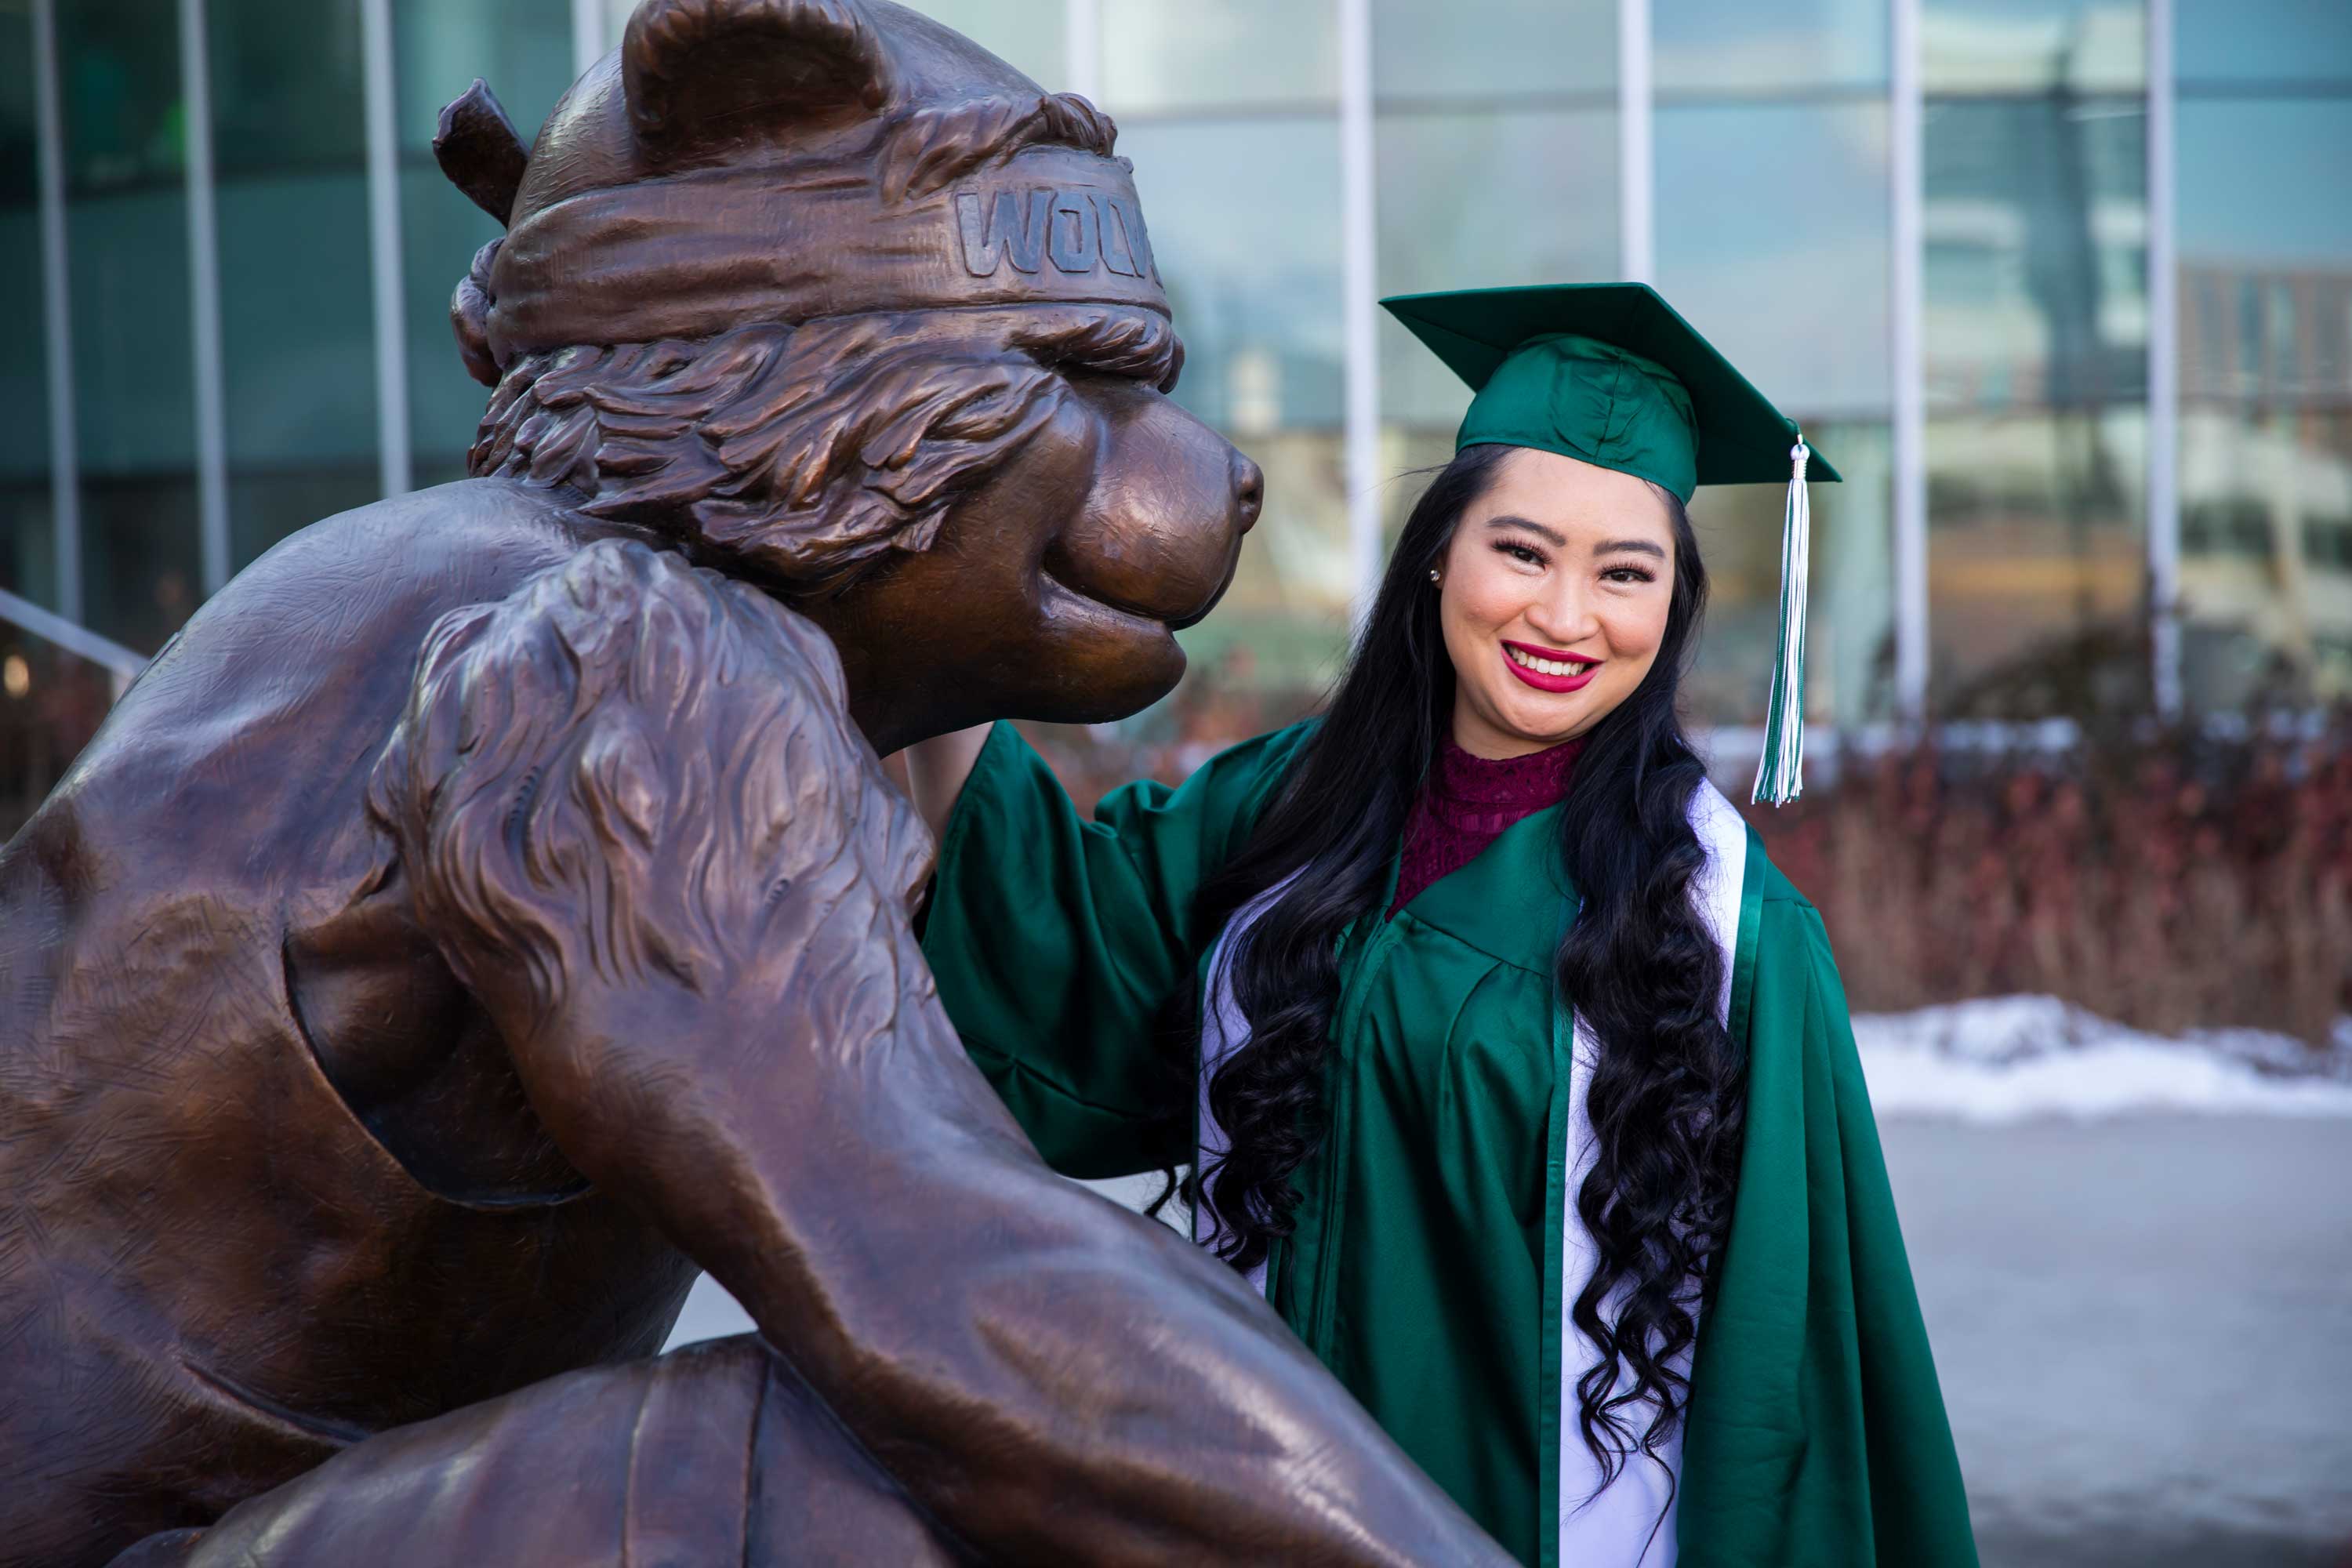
x=476, y=147
x=719, y=67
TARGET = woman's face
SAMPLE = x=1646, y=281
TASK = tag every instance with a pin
x=1553, y=596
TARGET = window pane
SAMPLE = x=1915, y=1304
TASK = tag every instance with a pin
x=118, y=76
x=127, y=245
x=285, y=86
x=1027, y=35
x=1244, y=219
x=1188, y=54
x=523, y=49
x=2266, y=400
x=2036, y=251
x=2037, y=562
x=27, y=558
x=1772, y=225
x=2266, y=555
x=2267, y=177
x=1252, y=266
x=1485, y=199
x=2219, y=43
x=297, y=315
x=1487, y=49
x=1737, y=46
x=2033, y=46
x=1850, y=612
x=1282, y=627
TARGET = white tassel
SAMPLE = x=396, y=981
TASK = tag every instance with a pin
x=1780, y=773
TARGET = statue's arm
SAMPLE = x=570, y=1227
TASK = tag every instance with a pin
x=642, y=831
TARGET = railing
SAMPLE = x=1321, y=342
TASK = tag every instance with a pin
x=78, y=640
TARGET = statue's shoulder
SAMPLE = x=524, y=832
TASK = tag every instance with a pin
x=280, y=687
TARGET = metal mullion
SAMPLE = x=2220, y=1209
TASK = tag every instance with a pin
x=56, y=309
x=1359, y=302
x=1082, y=47
x=2163, y=371
x=587, y=35
x=1636, y=157
x=1906, y=174
x=203, y=299
x=385, y=260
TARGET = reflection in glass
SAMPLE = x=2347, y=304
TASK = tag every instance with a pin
x=2266, y=555
x=2265, y=336
x=297, y=319
x=1850, y=613
x=2036, y=251
x=285, y=86
x=1488, y=50
x=1772, y=240
x=119, y=80
x=2037, y=572
x=2259, y=45
x=28, y=563
x=523, y=49
x=2033, y=46
x=1027, y=35
x=1480, y=200
x=1784, y=48
x=1282, y=625
x=1251, y=268
x=1203, y=54
x=1244, y=219
x=127, y=245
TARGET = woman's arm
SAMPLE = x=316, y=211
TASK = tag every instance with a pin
x=1057, y=940
x=937, y=769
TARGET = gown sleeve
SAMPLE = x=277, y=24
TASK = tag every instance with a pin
x=1057, y=941
x=1817, y=1429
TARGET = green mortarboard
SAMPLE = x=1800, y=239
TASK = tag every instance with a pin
x=1609, y=375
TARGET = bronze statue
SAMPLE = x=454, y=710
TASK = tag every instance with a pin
x=489, y=910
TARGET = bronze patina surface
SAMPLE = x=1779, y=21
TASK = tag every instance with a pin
x=489, y=910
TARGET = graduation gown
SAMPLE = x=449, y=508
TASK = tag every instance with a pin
x=1436, y=1245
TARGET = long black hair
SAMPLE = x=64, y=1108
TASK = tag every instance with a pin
x=1666, y=1099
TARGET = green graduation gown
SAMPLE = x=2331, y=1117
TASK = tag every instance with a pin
x=1427, y=1271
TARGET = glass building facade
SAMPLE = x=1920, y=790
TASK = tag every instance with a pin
x=2064, y=288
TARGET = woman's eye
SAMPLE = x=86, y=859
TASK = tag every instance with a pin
x=1630, y=575
x=1528, y=553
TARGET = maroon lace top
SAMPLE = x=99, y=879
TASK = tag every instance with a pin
x=1468, y=803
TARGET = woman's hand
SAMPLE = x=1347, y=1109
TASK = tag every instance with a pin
x=936, y=770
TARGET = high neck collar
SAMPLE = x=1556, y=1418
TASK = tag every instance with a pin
x=1528, y=783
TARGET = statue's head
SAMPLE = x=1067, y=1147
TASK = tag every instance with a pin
x=857, y=313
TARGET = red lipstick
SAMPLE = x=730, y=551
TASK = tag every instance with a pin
x=1543, y=683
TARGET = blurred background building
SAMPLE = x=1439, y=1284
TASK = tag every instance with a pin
x=2065, y=286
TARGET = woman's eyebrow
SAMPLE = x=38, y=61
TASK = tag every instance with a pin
x=1558, y=540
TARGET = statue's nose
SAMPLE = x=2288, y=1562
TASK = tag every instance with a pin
x=1249, y=492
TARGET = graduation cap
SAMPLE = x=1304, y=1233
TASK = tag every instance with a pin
x=1609, y=375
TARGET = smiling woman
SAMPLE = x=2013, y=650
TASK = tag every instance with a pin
x=1509, y=1069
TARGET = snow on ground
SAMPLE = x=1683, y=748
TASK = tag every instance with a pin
x=2009, y=1058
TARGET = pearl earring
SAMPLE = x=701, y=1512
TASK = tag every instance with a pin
x=1432, y=574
